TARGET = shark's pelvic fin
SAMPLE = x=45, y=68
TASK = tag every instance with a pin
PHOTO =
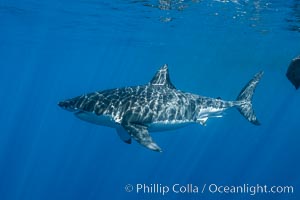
x=162, y=78
x=245, y=99
x=124, y=135
x=141, y=135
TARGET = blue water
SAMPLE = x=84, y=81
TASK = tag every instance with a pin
x=54, y=50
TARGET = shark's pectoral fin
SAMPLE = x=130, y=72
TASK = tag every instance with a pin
x=141, y=135
x=124, y=135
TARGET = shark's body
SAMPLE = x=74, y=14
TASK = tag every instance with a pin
x=157, y=106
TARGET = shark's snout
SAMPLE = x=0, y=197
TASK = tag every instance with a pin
x=62, y=104
x=65, y=105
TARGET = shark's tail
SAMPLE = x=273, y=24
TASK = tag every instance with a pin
x=244, y=99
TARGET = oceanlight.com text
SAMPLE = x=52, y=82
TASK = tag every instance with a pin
x=250, y=189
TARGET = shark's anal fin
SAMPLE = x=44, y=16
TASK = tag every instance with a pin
x=124, y=135
x=141, y=135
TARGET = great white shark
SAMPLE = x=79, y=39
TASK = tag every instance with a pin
x=156, y=106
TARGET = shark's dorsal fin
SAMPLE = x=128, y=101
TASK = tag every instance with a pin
x=162, y=78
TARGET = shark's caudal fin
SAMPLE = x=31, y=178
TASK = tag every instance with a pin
x=245, y=99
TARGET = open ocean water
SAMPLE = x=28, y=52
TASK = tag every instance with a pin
x=52, y=50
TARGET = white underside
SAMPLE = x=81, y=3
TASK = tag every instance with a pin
x=167, y=125
x=107, y=120
x=104, y=120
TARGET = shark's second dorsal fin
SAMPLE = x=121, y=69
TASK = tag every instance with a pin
x=162, y=78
